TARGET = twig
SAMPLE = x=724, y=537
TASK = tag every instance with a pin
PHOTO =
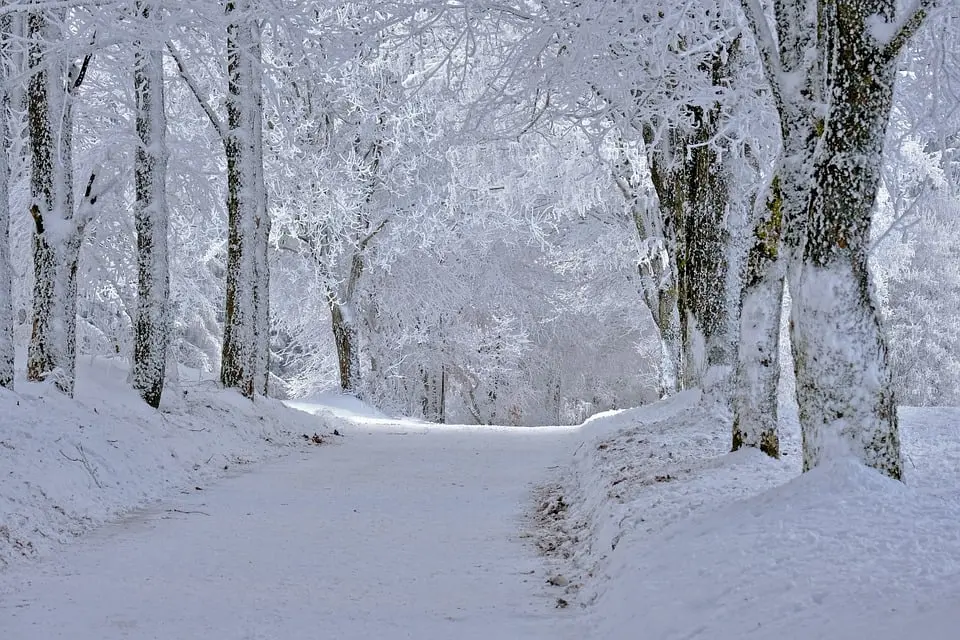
x=195, y=89
x=86, y=464
x=202, y=513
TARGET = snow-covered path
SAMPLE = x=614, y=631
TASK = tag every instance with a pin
x=394, y=532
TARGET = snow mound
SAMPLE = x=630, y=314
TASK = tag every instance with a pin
x=839, y=552
x=339, y=405
x=664, y=534
x=70, y=465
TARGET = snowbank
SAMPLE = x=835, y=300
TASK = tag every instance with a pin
x=70, y=465
x=658, y=532
x=339, y=405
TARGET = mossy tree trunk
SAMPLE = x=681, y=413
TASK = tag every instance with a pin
x=831, y=164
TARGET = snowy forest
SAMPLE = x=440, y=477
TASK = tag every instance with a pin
x=479, y=319
x=485, y=212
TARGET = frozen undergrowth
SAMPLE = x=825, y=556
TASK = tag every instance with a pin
x=655, y=530
x=70, y=465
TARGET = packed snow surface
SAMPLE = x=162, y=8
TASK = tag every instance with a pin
x=398, y=530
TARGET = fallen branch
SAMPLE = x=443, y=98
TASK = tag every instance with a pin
x=202, y=513
x=86, y=464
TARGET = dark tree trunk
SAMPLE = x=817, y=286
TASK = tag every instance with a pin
x=245, y=356
x=691, y=184
x=345, y=337
x=433, y=403
x=152, y=326
x=7, y=349
x=57, y=236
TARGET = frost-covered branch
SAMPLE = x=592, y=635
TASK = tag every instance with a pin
x=767, y=46
x=55, y=5
x=909, y=27
x=195, y=89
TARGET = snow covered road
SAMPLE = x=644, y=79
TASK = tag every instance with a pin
x=395, y=531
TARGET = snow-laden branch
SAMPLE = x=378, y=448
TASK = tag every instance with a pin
x=95, y=189
x=195, y=89
x=902, y=34
x=767, y=46
x=53, y=5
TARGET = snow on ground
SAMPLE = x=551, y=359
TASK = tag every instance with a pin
x=67, y=466
x=396, y=531
x=402, y=529
x=657, y=532
x=341, y=405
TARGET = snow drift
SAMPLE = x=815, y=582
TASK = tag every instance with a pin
x=660, y=533
x=69, y=465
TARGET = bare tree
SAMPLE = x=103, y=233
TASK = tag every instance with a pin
x=246, y=331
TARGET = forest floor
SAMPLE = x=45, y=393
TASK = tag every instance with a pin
x=646, y=527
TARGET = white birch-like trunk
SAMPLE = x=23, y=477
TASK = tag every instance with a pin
x=755, y=413
x=658, y=279
x=246, y=336
x=7, y=347
x=660, y=295
x=152, y=323
x=57, y=235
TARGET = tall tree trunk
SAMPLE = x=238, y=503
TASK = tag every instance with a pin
x=844, y=381
x=702, y=255
x=657, y=270
x=246, y=329
x=830, y=180
x=691, y=181
x=345, y=336
x=692, y=188
x=7, y=348
x=56, y=240
x=434, y=390
x=660, y=295
x=755, y=412
x=779, y=230
x=152, y=325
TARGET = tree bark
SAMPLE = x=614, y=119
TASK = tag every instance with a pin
x=691, y=184
x=657, y=270
x=755, y=411
x=844, y=381
x=245, y=356
x=152, y=324
x=56, y=240
x=7, y=347
x=434, y=395
x=780, y=230
x=345, y=336
x=831, y=172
